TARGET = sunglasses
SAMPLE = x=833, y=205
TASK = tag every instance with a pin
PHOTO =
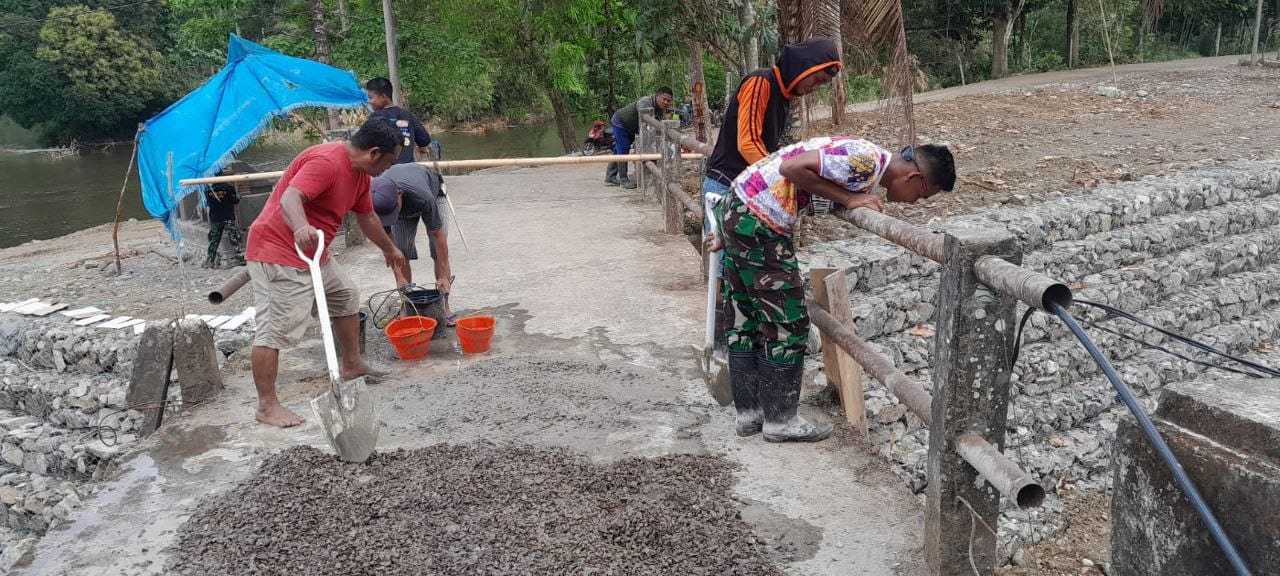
x=909, y=154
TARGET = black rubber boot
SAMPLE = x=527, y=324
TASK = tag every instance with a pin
x=779, y=399
x=745, y=382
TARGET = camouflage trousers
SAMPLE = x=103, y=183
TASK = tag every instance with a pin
x=762, y=288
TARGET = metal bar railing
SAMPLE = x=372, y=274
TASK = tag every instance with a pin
x=685, y=140
x=994, y=466
x=909, y=236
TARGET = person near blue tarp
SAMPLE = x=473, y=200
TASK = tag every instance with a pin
x=221, y=199
x=626, y=124
x=381, y=98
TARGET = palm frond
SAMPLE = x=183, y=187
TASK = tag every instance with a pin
x=876, y=25
x=1152, y=10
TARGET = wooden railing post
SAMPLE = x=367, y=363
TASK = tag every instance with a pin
x=831, y=291
x=672, y=207
x=972, y=350
x=644, y=145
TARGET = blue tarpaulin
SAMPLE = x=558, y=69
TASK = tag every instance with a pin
x=207, y=127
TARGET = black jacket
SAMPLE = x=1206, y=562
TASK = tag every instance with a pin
x=757, y=114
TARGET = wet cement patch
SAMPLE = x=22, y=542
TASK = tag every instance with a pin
x=474, y=509
x=603, y=409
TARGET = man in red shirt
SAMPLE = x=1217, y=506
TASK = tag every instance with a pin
x=317, y=190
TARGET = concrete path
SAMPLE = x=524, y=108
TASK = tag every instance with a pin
x=598, y=314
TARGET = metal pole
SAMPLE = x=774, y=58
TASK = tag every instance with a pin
x=393, y=57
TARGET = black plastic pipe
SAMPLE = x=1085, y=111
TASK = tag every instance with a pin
x=1162, y=448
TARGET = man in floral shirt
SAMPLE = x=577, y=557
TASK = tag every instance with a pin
x=770, y=326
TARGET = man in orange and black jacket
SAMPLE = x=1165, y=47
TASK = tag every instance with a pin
x=756, y=116
x=755, y=120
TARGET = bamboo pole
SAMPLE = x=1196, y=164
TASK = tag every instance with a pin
x=1106, y=34
x=115, y=228
x=456, y=164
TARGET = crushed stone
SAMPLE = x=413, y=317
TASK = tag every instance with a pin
x=474, y=509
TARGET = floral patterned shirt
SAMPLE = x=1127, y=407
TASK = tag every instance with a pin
x=854, y=164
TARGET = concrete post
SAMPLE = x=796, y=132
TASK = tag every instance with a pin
x=644, y=145
x=150, y=383
x=672, y=208
x=196, y=361
x=972, y=349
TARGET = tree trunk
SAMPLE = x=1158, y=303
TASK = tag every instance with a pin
x=393, y=55
x=999, y=45
x=342, y=16
x=1217, y=42
x=564, y=118
x=1024, y=54
x=1257, y=32
x=608, y=52
x=750, y=45
x=322, y=52
x=1073, y=35
x=698, y=89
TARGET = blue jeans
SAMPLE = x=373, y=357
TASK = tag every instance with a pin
x=622, y=139
x=712, y=192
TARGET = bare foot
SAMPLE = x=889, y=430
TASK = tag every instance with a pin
x=279, y=416
x=363, y=370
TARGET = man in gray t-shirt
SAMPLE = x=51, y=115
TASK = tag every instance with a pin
x=416, y=189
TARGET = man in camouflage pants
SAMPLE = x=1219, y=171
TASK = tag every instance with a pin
x=769, y=326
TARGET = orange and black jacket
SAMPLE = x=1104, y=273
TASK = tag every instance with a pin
x=757, y=114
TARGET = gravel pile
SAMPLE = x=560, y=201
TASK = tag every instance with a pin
x=474, y=509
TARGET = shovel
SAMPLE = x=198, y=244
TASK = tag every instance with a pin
x=345, y=413
x=715, y=366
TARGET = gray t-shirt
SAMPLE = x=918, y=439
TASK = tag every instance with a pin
x=421, y=188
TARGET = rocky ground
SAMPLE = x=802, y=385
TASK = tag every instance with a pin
x=474, y=509
x=1064, y=139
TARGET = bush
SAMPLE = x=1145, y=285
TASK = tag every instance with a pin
x=1049, y=61
x=863, y=88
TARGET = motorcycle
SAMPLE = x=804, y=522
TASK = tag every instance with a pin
x=599, y=141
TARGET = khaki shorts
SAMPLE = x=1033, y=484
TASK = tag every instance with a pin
x=285, y=303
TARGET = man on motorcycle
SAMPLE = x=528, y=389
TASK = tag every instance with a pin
x=626, y=124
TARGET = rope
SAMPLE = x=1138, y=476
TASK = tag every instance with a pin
x=1113, y=311
x=1261, y=371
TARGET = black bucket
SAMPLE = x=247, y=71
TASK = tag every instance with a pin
x=429, y=303
x=338, y=345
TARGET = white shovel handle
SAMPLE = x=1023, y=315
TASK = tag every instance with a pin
x=713, y=271
x=322, y=309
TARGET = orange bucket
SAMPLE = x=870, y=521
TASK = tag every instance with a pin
x=475, y=333
x=411, y=336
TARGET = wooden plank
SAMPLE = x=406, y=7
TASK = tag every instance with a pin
x=830, y=290
x=80, y=313
x=206, y=318
x=50, y=309
x=29, y=308
x=118, y=322
x=92, y=319
x=218, y=321
x=140, y=328
x=10, y=307
x=852, y=393
x=134, y=322
x=239, y=319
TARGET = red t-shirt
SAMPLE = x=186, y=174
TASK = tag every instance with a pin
x=331, y=185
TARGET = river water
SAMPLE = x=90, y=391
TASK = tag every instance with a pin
x=43, y=197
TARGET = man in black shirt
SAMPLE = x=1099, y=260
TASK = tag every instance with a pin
x=380, y=97
x=222, y=199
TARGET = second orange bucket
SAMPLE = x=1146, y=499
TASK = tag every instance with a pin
x=475, y=334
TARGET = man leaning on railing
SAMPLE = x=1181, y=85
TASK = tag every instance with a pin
x=770, y=325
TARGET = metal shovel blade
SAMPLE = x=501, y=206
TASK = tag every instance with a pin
x=348, y=421
x=715, y=372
